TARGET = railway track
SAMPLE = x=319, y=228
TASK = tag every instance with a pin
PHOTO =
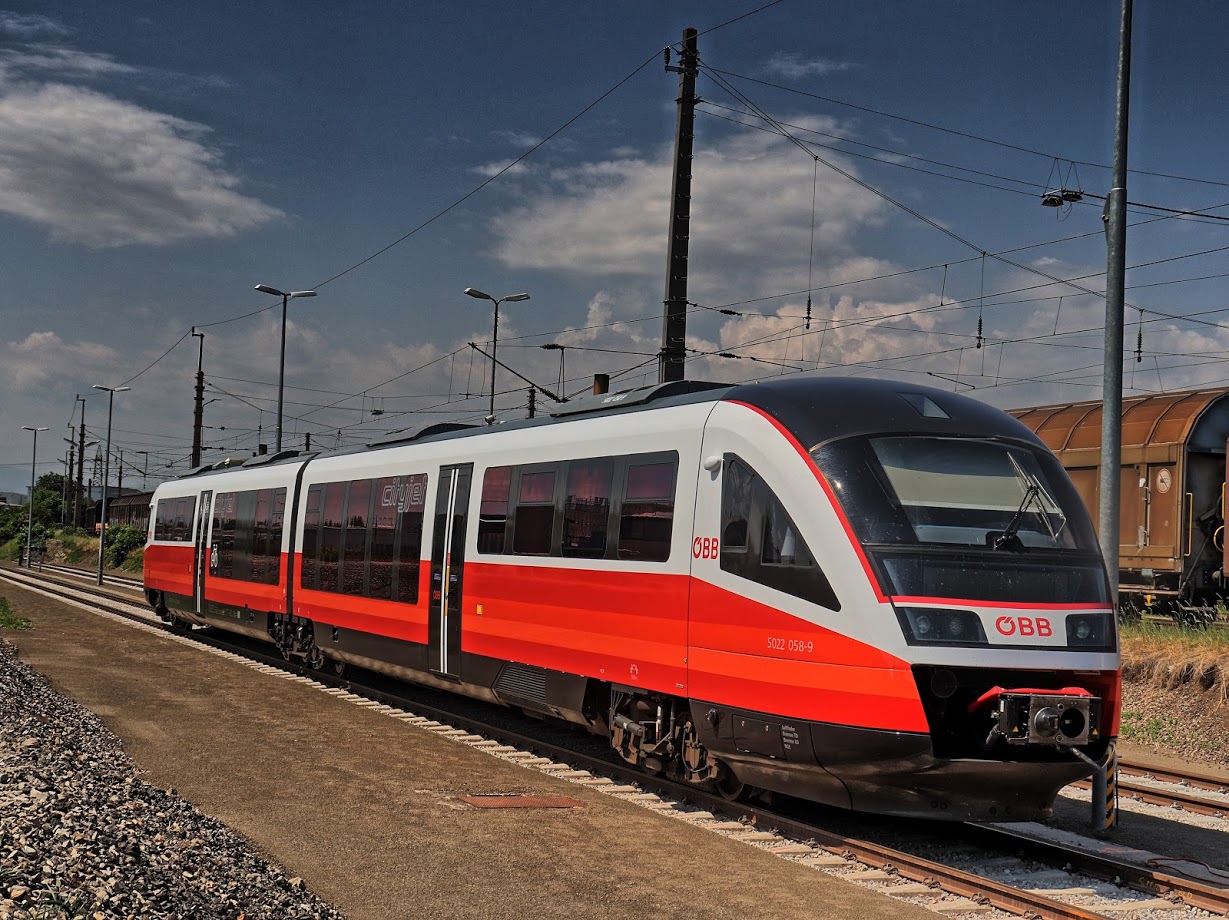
x=1038, y=879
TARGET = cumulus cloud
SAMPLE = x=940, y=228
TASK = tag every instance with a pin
x=27, y=365
x=751, y=215
x=100, y=171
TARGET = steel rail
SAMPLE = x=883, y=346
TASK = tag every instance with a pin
x=1193, y=893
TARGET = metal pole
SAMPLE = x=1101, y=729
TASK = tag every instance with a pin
x=30, y=519
x=281, y=374
x=1115, y=284
x=79, y=498
x=106, y=475
x=490, y=419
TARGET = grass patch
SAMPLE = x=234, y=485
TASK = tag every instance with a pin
x=135, y=561
x=1165, y=731
x=10, y=620
x=1172, y=658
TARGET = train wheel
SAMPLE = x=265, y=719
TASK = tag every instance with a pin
x=729, y=786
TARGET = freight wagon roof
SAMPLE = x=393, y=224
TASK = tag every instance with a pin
x=1198, y=419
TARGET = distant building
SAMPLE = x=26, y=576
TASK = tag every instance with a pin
x=12, y=498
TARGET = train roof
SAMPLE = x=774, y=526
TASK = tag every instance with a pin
x=1197, y=419
x=814, y=409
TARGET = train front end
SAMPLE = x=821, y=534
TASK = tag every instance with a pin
x=984, y=553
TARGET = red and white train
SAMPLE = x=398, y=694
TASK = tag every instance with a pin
x=865, y=593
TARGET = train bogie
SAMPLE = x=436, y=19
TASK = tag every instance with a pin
x=847, y=590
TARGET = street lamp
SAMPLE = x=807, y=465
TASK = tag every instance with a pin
x=30, y=522
x=511, y=298
x=106, y=471
x=281, y=364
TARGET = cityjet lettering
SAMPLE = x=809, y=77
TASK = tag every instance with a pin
x=405, y=494
x=1024, y=626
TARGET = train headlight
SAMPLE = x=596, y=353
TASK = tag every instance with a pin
x=940, y=626
x=1091, y=631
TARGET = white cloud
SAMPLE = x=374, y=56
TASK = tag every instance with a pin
x=26, y=366
x=56, y=59
x=102, y=172
x=95, y=169
x=751, y=217
x=29, y=25
x=793, y=66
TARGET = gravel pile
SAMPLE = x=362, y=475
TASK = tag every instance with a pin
x=82, y=836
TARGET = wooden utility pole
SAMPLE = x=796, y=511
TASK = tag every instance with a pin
x=198, y=414
x=674, y=325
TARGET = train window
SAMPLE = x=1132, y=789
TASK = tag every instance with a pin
x=761, y=542
x=412, y=504
x=737, y=480
x=223, y=559
x=259, y=544
x=330, y=534
x=383, y=533
x=535, y=513
x=311, y=537
x=493, y=511
x=358, y=511
x=165, y=518
x=276, y=522
x=586, y=508
x=646, y=518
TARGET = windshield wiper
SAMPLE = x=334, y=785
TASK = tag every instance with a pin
x=1008, y=538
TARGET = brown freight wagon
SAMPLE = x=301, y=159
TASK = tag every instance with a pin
x=1171, y=554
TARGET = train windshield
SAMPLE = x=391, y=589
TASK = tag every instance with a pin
x=966, y=517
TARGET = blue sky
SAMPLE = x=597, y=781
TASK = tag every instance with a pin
x=159, y=160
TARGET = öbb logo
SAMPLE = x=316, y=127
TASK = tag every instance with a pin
x=1024, y=626
x=705, y=547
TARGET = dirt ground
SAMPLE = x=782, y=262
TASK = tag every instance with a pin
x=365, y=808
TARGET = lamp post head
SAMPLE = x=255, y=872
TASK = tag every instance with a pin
x=481, y=295
x=28, y=428
x=515, y=298
x=289, y=295
x=99, y=386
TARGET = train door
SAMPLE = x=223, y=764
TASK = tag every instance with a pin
x=447, y=569
x=199, y=560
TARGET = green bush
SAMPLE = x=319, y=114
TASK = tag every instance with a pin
x=119, y=542
x=11, y=549
x=135, y=561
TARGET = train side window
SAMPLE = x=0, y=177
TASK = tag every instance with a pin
x=189, y=517
x=310, y=552
x=259, y=566
x=411, y=508
x=383, y=533
x=358, y=513
x=276, y=522
x=224, y=506
x=330, y=534
x=535, y=513
x=586, y=508
x=180, y=525
x=165, y=520
x=736, y=483
x=761, y=542
x=493, y=510
x=646, y=517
